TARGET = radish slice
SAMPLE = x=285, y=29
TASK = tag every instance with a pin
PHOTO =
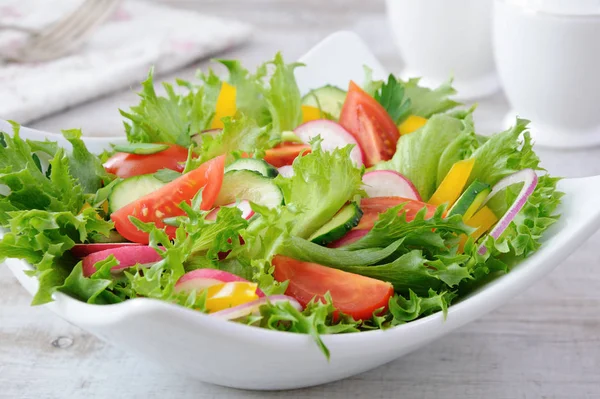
x=333, y=135
x=83, y=250
x=388, y=183
x=286, y=171
x=127, y=256
x=253, y=307
x=529, y=179
x=350, y=237
x=200, y=279
x=243, y=205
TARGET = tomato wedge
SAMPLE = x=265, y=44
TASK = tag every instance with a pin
x=352, y=294
x=372, y=207
x=164, y=202
x=285, y=153
x=370, y=124
x=127, y=165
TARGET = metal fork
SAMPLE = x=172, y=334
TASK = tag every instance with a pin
x=65, y=35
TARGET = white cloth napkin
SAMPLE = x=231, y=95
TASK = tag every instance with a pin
x=118, y=55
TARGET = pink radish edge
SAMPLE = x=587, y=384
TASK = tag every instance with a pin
x=351, y=237
x=389, y=183
x=127, y=256
x=82, y=250
x=333, y=136
x=200, y=279
x=243, y=205
x=529, y=179
x=249, y=308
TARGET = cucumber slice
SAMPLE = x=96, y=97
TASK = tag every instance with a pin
x=132, y=189
x=290, y=137
x=328, y=99
x=347, y=218
x=255, y=165
x=470, y=201
x=249, y=185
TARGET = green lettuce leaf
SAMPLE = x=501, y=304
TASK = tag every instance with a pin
x=392, y=97
x=402, y=98
x=301, y=249
x=403, y=310
x=436, y=233
x=418, y=154
x=316, y=319
x=275, y=101
x=427, y=102
x=174, y=118
x=197, y=241
x=42, y=239
x=322, y=183
x=84, y=166
x=29, y=186
x=501, y=155
x=240, y=134
x=283, y=96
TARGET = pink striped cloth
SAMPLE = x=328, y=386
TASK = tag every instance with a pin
x=118, y=55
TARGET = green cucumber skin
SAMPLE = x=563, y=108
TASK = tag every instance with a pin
x=249, y=185
x=255, y=165
x=337, y=231
x=468, y=197
x=328, y=99
x=132, y=189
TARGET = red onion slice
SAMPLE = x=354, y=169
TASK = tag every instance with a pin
x=529, y=179
x=249, y=308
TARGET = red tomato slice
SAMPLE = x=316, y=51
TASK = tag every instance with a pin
x=285, y=153
x=164, y=202
x=372, y=207
x=370, y=124
x=352, y=294
x=127, y=165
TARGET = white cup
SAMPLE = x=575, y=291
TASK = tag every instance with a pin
x=442, y=38
x=548, y=60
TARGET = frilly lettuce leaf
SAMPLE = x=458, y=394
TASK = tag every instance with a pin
x=240, y=134
x=501, y=155
x=402, y=98
x=427, y=102
x=434, y=233
x=174, y=118
x=268, y=98
x=42, y=238
x=316, y=319
x=29, y=186
x=419, y=154
x=322, y=183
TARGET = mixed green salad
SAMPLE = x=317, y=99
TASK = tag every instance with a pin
x=334, y=212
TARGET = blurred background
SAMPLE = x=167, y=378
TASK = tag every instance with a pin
x=434, y=39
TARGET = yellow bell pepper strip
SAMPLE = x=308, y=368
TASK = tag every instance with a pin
x=310, y=113
x=228, y=295
x=483, y=220
x=412, y=123
x=453, y=184
x=225, y=105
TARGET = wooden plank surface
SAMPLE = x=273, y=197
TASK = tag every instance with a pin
x=544, y=343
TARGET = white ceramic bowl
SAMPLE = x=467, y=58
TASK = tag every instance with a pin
x=240, y=356
x=440, y=38
x=548, y=59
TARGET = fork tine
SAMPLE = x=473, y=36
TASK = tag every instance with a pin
x=63, y=27
x=64, y=39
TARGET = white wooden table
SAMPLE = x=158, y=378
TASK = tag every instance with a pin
x=543, y=343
